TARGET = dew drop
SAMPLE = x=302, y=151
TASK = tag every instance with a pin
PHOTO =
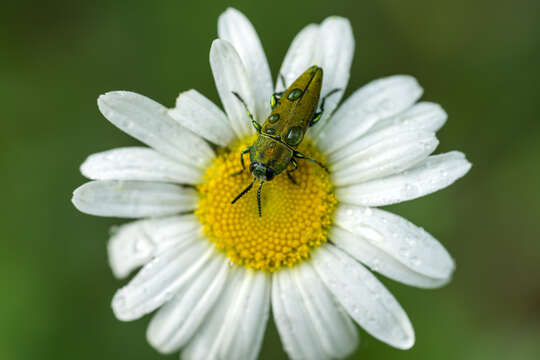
x=375, y=263
x=294, y=94
x=409, y=190
x=168, y=296
x=405, y=252
x=411, y=241
x=140, y=246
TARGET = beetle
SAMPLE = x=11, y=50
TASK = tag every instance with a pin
x=293, y=112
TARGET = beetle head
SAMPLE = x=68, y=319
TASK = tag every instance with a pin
x=261, y=171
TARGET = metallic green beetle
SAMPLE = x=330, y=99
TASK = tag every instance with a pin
x=293, y=111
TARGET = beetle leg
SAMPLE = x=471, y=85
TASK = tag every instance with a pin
x=275, y=98
x=317, y=115
x=245, y=151
x=259, y=198
x=282, y=78
x=299, y=155
x=295, y=167
x=277, y=95
x=256, y=125
x=244, y=192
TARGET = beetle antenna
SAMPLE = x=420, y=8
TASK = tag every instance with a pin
x=244, y=192
x=282, y=78
x=259, y=198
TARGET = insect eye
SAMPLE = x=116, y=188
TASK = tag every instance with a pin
x=294, y=94
x=294, y=136
x=273, y=118
x=269, y=174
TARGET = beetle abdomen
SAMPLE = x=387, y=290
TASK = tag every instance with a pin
x=291, y=116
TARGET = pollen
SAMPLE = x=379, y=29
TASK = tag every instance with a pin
x=295, y=217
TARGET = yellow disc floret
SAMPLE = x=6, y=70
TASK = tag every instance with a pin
x=295, y=218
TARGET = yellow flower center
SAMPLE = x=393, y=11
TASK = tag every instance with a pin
x=295, y=218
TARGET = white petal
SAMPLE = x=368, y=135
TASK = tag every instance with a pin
x=424, y=115
x=203, y=117
x=300, y=56
x=335, y=50
x=409, y=244
x=297, y=334
x=230, y=75
x=310, y=322
x=133, y=199
x=136, y=243
x=234, y=27
x=147, y=121
x=176, y=322
x=366, y=300
x=236, y=326
x=367, y=250
x=138, y=163
x=432, y=174
x=159, y=280
x=371, y=103
x=390, y=156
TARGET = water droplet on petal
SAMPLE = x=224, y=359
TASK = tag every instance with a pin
x=375, y=263
x=411, y=241
x=405, y=252
x=409, y=190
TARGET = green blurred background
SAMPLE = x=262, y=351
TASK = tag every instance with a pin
x=479, y=59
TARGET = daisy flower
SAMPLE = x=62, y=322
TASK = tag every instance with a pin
x=213, y=270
